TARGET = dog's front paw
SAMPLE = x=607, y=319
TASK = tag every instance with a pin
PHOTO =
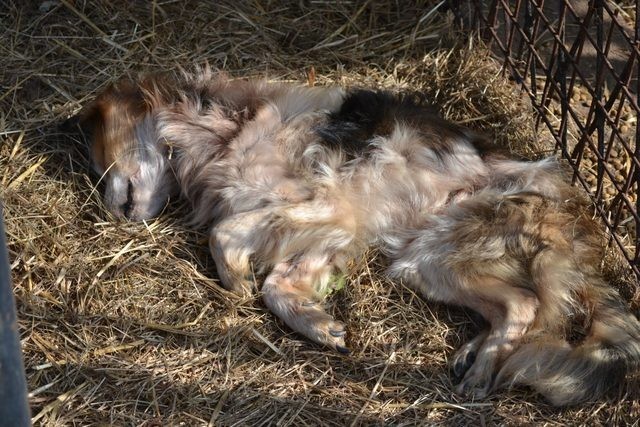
x=311, y=320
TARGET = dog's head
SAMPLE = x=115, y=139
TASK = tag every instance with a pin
x=127, y=153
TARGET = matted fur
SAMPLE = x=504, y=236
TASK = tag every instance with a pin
x=293, y=182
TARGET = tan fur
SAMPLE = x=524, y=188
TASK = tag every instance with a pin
x=508, y=239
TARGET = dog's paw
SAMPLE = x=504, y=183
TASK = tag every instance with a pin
x=462, y=361
x=311, y=320
x=470, y=389
x=466, y=356
x=477, y=382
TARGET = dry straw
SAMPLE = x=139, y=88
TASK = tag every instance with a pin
x=125, y=324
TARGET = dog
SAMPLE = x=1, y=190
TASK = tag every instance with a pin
x=294, y=182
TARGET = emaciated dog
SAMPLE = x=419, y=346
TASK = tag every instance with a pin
x=293, y=182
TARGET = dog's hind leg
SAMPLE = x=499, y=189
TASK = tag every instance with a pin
x=290, y=292
x=510, y=311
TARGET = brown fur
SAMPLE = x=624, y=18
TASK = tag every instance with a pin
x=293, y=182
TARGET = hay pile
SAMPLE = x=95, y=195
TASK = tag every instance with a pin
x=125, y=324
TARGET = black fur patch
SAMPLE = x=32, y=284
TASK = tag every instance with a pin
x=361, y=117
x=366, y=114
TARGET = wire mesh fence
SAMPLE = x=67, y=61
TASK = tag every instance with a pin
x=578, y=63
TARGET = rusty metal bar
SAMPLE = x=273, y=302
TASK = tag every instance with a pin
x=561, y=78
x=531, y=27
x=599, y=112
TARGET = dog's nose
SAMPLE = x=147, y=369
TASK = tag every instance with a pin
x=127, y=207
x=126, y=210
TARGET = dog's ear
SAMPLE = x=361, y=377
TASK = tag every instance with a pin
x=89, y=122
x=122, y=99
x=90, y=116
x=85, y=123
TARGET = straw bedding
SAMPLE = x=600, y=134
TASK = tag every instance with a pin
x=125, y=324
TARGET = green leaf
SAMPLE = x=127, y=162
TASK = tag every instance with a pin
x=338, y=282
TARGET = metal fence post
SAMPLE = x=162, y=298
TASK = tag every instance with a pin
x=14, y=409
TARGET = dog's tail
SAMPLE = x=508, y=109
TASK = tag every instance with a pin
x=567, y=374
